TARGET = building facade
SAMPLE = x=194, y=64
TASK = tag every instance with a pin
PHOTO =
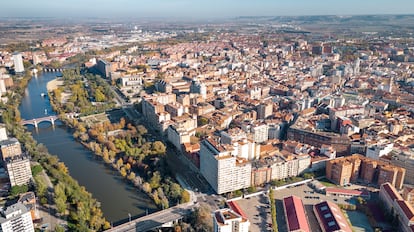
x=16, y=218
x=223, y=171
x=18, y=62
x=18, y=169
x=345, y=170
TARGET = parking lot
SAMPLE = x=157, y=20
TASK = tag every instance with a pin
x=257, y=210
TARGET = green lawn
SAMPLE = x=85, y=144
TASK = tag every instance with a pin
x=327, y=183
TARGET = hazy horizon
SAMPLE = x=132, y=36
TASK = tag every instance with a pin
x=196, y=9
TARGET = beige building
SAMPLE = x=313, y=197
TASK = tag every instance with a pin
x=264, y=110
x=18, y=169
x=289, y=165
x=10, y=147
x=178, y=136
x=408, y=194
x=404, y=159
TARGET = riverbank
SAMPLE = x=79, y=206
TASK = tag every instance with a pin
x=54, y=84
x=72, y=201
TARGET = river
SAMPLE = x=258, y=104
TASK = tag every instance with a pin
x=117, y=198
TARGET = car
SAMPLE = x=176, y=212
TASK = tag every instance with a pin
x=335, y=199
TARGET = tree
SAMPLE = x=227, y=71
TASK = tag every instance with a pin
x=158, y=148
x=131, y=176
x=36, y=170
x=185, y=196
x=60, y=198
x=175, y=191
x=41, y=187
x=99, y=96
x=119, y=163
x=251, y=189
x=155, y=180
x=18, y=189
x=123, y=172
x=59, y=228
x=202, y=220
x=142, y=130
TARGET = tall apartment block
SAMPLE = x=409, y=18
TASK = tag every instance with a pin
x=18, y=62
x=16, y=218
x=222, y=170
x=18, y=169
x=104, y=68
x=346, y=170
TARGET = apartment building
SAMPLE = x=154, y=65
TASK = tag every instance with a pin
x=399, y=208
x=408, y=194
x=16, y=218
x=18, y=169
x=278, y=166
x=10, y=147
x=264, y=110
x=178, y=136
x=404, y=159
x=222, y=170
x=346, y=170
x=316, y=138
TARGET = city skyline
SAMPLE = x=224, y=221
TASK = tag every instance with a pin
x=199, y=9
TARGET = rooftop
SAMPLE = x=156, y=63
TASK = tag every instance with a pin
x=295, y=214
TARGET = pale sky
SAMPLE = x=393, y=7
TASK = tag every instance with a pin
x=203, y=9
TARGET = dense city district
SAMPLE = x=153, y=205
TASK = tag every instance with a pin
x=251, y=124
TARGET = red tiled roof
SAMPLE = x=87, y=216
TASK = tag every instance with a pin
x=236, y=208
x=295, y=214
x=407, y=209
x=347, y=191
x=392, y=193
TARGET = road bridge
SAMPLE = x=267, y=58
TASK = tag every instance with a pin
x=164, y=218
x=50, y=118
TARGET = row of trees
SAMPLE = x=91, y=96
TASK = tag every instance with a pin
x=125, y=148
x=273, y=210
x=83, y=212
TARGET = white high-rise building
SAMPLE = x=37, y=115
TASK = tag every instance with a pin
x=3, y=134
x=222, y=170
x=18, y=62
x=227, y=220
x=16, y=218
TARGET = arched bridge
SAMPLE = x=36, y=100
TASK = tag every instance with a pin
x=50, y=118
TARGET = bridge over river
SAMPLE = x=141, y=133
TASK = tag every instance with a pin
x=51, y=119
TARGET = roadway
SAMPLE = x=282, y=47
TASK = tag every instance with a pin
x=155, y=220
